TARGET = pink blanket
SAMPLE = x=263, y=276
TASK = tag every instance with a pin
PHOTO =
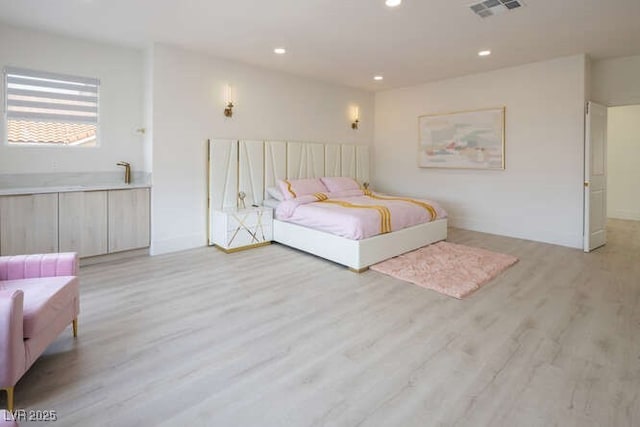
x=358, y=214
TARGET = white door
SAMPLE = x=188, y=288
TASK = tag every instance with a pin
x=595, y=177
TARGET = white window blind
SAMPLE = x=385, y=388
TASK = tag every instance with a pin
x=41, y=96
x=50, y=108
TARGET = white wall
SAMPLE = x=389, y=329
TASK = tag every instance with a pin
x=187, y=109
x=148, y=110
x=539, y=196
x=120, y=71
x=616, y=81
x=623, y=200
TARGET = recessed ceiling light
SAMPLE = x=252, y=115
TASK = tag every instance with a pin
x=378, y=78
x=484, y=53
x=280, y=50
x=393, y=3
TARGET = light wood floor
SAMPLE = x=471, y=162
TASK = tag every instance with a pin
x=274, y=337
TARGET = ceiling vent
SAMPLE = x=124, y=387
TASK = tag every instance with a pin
x=487, y=8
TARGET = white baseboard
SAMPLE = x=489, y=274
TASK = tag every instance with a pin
x=622, y=214
x=114, y=257
x=176, y=244
x=192, y=241
x=527, y=233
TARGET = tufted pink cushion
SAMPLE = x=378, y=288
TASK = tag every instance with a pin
x=45, y=265
x=301, y=187
x=337, y=184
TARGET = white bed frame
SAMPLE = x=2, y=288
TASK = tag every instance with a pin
x=252, y=166
x=358, y=255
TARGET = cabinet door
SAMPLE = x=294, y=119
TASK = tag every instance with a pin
x=128, y=219
x=83, y=222
x=29, y=224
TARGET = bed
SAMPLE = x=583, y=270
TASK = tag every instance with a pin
x=356, y=227
x=254, y=167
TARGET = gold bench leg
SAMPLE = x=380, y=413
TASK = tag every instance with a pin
x=9, y=398
x=75, y=327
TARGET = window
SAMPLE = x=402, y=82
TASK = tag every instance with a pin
x=50, y=109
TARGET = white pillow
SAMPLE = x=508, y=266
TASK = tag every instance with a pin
x=275, y=193
x=271, y=203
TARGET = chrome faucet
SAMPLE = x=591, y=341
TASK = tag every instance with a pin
x=127, y=171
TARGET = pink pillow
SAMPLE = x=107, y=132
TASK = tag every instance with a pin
x=336, y=184
x=301, y=187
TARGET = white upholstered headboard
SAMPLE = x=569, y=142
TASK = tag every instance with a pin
x=252, y=166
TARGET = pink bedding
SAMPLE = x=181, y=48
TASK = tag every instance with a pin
x=358, y=214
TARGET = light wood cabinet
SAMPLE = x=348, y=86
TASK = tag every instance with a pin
x=29, y=224
x=128, y=219
x=90, y=223
x=83, y=222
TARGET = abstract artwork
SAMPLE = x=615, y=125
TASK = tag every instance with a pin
x=466, y=140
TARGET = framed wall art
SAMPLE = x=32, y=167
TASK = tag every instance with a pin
x=463, y=140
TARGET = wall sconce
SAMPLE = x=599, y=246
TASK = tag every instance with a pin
x=355, y=116
x=228, y=99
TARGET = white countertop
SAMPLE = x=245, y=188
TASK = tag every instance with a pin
x=69, y=188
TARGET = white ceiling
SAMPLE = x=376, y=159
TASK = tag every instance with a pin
x=349, y=41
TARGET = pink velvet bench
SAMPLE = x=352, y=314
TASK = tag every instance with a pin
x=39, y=298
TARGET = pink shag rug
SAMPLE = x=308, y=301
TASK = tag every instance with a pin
x=448, y=268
